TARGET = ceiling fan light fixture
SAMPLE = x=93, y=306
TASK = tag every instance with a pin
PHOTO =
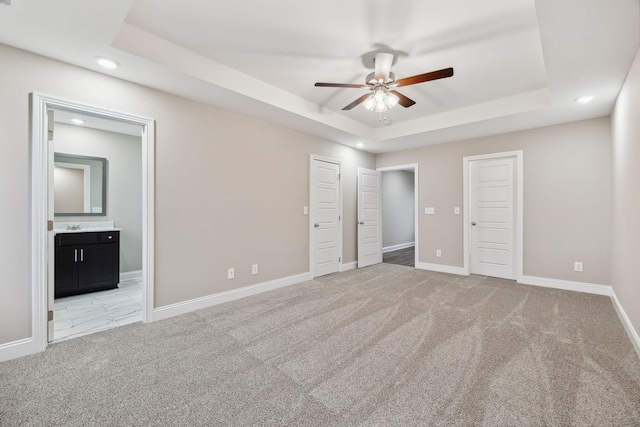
x=391, y=100
x=381, y=106
x=379, y=95
x=380, y=100
x=370, y=103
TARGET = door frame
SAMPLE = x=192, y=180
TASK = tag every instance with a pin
x=413, y=166
x=312, y=202
x=41, y=156
x=519, y=222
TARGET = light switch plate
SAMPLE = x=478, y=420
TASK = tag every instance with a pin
x=305, y=211
x=429, y=211
x=456, y=210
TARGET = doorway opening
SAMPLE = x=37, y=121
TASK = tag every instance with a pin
x=97, y=223
x=399, y=196
x=92, y=252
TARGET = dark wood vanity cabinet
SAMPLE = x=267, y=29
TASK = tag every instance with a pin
x=86, y=262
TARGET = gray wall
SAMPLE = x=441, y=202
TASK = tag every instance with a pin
x=124, y=183
x=567, y=197
x=625, y=254
x=229, y=189
x=398, y=208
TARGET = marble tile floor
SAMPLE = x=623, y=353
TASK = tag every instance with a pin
x=96, y=311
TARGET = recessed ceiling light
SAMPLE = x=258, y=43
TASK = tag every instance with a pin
x=359, y=145
x=585, y=99
x=107, y=63
x=77, y=121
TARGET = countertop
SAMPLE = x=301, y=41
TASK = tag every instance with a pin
x=84, y=227
x=87, y=230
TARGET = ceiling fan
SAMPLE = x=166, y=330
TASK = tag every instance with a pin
x=382, y=83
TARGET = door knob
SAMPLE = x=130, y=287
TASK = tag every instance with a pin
x=360, y=222
x=316, y=225
x=473, y=223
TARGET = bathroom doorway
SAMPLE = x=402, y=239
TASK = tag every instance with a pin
x=97, y=211
x=93, y=220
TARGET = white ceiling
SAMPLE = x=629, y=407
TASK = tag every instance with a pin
x=96, y=122
x=518, y=64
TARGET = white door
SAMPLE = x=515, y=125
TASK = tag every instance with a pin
x=50, y=233
x=325, y=217
x=369, y=218
x=492, y=215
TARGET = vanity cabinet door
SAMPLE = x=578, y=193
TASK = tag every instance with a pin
x=99, y=266
x=66, y=271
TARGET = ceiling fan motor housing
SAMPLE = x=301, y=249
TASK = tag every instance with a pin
x=371, y=79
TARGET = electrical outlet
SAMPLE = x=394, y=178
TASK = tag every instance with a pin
x=438, y=253
x=231, y=273
x=254, y=269
x=577, y=266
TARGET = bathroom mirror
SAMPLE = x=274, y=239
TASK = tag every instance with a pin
x=79, y=185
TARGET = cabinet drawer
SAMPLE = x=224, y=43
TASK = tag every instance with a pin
x=109, y=237
x=65, y=239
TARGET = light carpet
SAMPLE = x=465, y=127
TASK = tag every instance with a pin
x=382, y=346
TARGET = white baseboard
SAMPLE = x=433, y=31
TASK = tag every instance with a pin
x=631, y=331
x=589, y=288
x=441, y=268
x=171, y=310
x=398, y=247
x=14, y=349
x=129, y=275
x=349, y=266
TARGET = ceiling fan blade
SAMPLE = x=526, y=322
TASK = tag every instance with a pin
x=339, y=85
x=420, y=78
x=404, y=101
x=357, y=102
x=383, y=62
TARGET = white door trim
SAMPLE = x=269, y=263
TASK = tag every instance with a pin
x=519, y=244
x=415, y=201
x=40, y=200
x=312, y=201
